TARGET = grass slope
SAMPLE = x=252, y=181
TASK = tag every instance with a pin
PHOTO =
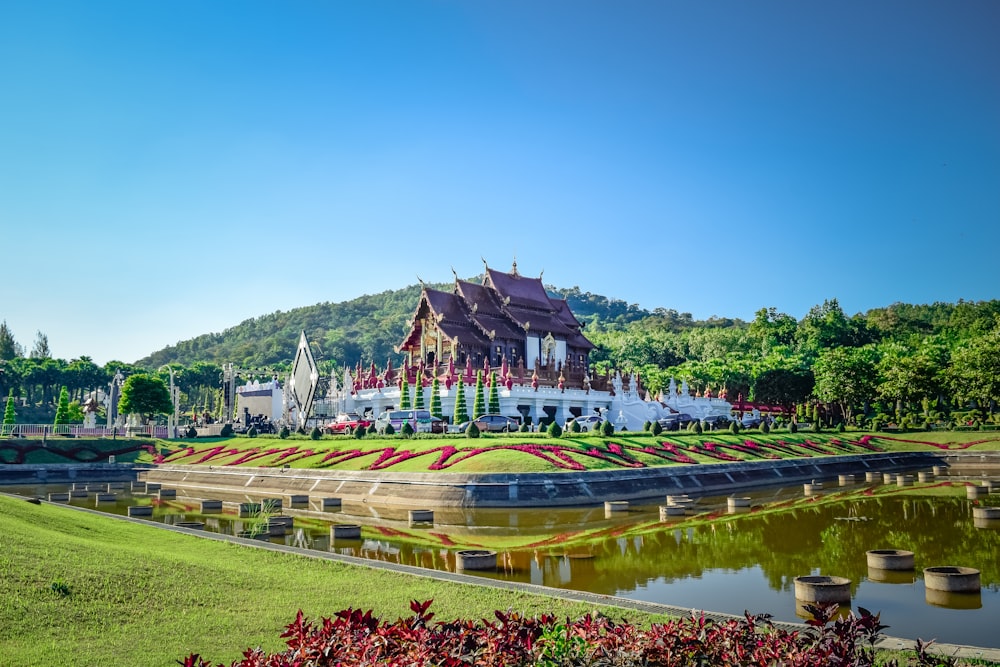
x=139, y=595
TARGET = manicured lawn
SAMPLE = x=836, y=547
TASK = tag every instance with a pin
x=139, y=595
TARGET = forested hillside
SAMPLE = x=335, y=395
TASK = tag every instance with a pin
x=920, y=362
x=363, y=329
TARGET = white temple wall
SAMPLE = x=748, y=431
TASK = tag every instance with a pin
x=533, y=349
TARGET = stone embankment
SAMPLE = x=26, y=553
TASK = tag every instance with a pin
x=530, y=489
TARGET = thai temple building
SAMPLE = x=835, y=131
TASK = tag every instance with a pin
x=509, y=329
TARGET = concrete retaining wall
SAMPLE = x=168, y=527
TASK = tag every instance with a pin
x=530, y=489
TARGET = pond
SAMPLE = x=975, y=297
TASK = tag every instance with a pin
x=711, y=559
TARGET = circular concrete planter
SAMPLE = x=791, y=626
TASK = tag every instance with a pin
x=671, y=511
x=823, y=589
x=616, y=506
x=476, y=559
x=925, y=477
x=951, y=579
x=891, y=576
x=888, y=478
x=193, y=525
x=953, y=600
x=939, y=470
x=989, y=513
x=345, y=531
x=813, y=488
x=890, y=559
x=873, y=476
x=734, y=501
x=845, y=480
x=904, y=480
x=421, y=516
x=677, y=499
x=973, y=492
x=986, y=524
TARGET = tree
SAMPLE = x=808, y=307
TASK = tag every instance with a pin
x=975, y=369
x=9, y=417
x=62, y=410
x=479, y=404
x=145, y=395
x=41, y=348
x=9, y=348
x=847, y=377
x=783, y=386
x=461, y=406
x=494, y=394
x=771, y=329
x=436, y=398
x=404, y=392
x=418, y=402
x=907, y=375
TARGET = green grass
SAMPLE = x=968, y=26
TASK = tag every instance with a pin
x=80, y=589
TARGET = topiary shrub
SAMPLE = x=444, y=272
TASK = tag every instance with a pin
x=227, y=431
x=406, y=431
x=555, y=431
x=389, y=430
x=734, y=427
x=574, y=427
x=656, y=428
x=252, y=432
x=192, y=432
x=284, y=433
x=607, y=429
x=315, y=433
x=647, y=426
x=765, y=428
x=697, y=428
x=472, y=431
x=841, y=428
x=817, y=426
x=524, y=428
x=360, y=432
x=793, y=428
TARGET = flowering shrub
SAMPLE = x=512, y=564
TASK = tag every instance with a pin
x=353, y=637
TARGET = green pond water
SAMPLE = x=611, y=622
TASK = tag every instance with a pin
x=711, y=559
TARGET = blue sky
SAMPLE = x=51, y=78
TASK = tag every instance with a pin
x=169, y=169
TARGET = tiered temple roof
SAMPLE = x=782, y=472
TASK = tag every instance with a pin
x=477, y=320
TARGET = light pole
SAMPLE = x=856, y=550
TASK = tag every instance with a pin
x=173, y=418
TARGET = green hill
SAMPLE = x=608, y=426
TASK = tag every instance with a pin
x=363, y=329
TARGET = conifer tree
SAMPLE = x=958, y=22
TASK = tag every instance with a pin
x=436, y=399
x=9, y=417
x=62, y=410
x=404, y=393
x=479, y=405
x=461, y=407
x=494, y=394
x=418, y=402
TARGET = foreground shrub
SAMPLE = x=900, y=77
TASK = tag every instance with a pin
x=353, y=637
x=284, y=433
x=472, y=431
x=555, y=430
x=315, y=433
x=656, y=428
x=227, y=431
x=607, y=429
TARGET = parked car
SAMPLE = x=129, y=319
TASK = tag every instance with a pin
x=586, y=422
x=346, y=423
x=492, y=423
x=750, y=421
x=675, y=421
x=717, y=421
x=421, y=421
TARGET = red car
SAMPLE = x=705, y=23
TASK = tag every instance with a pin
x=346, y=424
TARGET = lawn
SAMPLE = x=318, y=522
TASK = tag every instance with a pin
x=81, y=589
x=540, y=453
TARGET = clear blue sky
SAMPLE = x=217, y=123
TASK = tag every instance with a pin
x=172, y=168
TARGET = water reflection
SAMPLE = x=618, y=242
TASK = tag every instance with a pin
x=712, y=560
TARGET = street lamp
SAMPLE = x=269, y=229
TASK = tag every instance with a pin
x=172, y=419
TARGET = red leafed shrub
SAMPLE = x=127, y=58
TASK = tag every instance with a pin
x=353, y=637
